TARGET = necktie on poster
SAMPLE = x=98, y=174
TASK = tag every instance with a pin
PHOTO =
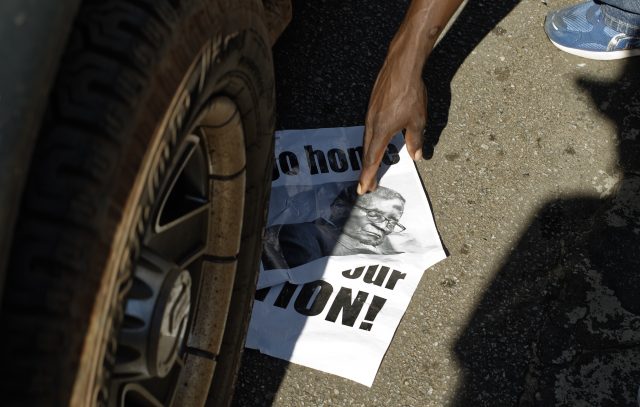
x=338, y=270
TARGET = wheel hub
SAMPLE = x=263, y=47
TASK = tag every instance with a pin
x=156, y=317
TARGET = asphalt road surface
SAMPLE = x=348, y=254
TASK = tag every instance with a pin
x=534, y=179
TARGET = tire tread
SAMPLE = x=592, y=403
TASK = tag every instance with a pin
x=46, y=269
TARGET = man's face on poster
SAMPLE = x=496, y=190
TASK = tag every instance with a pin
x=372, y=220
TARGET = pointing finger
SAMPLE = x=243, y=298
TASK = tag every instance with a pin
x=374, y=147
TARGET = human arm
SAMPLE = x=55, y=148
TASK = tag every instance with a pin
x=399, y=99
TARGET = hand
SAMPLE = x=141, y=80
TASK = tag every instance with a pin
x=398, y=102
x=399, y=98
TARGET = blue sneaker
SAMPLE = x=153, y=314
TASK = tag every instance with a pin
x=580, y=30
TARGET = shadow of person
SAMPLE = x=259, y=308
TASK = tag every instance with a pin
x=475, y=22
x=560, y=323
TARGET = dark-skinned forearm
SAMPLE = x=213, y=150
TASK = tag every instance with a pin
x=399, y=99
x=419, y=31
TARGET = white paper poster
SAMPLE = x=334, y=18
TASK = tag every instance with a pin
x=338, y=269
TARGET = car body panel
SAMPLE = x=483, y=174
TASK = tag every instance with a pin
x=33, y=34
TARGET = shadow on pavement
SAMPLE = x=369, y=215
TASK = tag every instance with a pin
x=560, y=324
x=475, y=22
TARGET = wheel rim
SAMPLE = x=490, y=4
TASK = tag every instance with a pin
x=178, y=300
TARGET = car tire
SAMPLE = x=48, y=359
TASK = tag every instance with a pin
x=135, y=255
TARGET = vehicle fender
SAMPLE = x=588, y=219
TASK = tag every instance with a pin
x=33, y=34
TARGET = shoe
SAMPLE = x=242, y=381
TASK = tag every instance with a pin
x=580, y=30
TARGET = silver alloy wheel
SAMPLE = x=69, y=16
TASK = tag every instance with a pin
x=137, y=79
x=183, y=278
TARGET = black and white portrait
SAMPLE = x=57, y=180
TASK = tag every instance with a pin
x=348, y=225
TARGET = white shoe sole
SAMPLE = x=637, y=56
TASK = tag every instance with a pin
x=599, y=55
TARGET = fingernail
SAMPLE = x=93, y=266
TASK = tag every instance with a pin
x=418, y=155
x=359, y=190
